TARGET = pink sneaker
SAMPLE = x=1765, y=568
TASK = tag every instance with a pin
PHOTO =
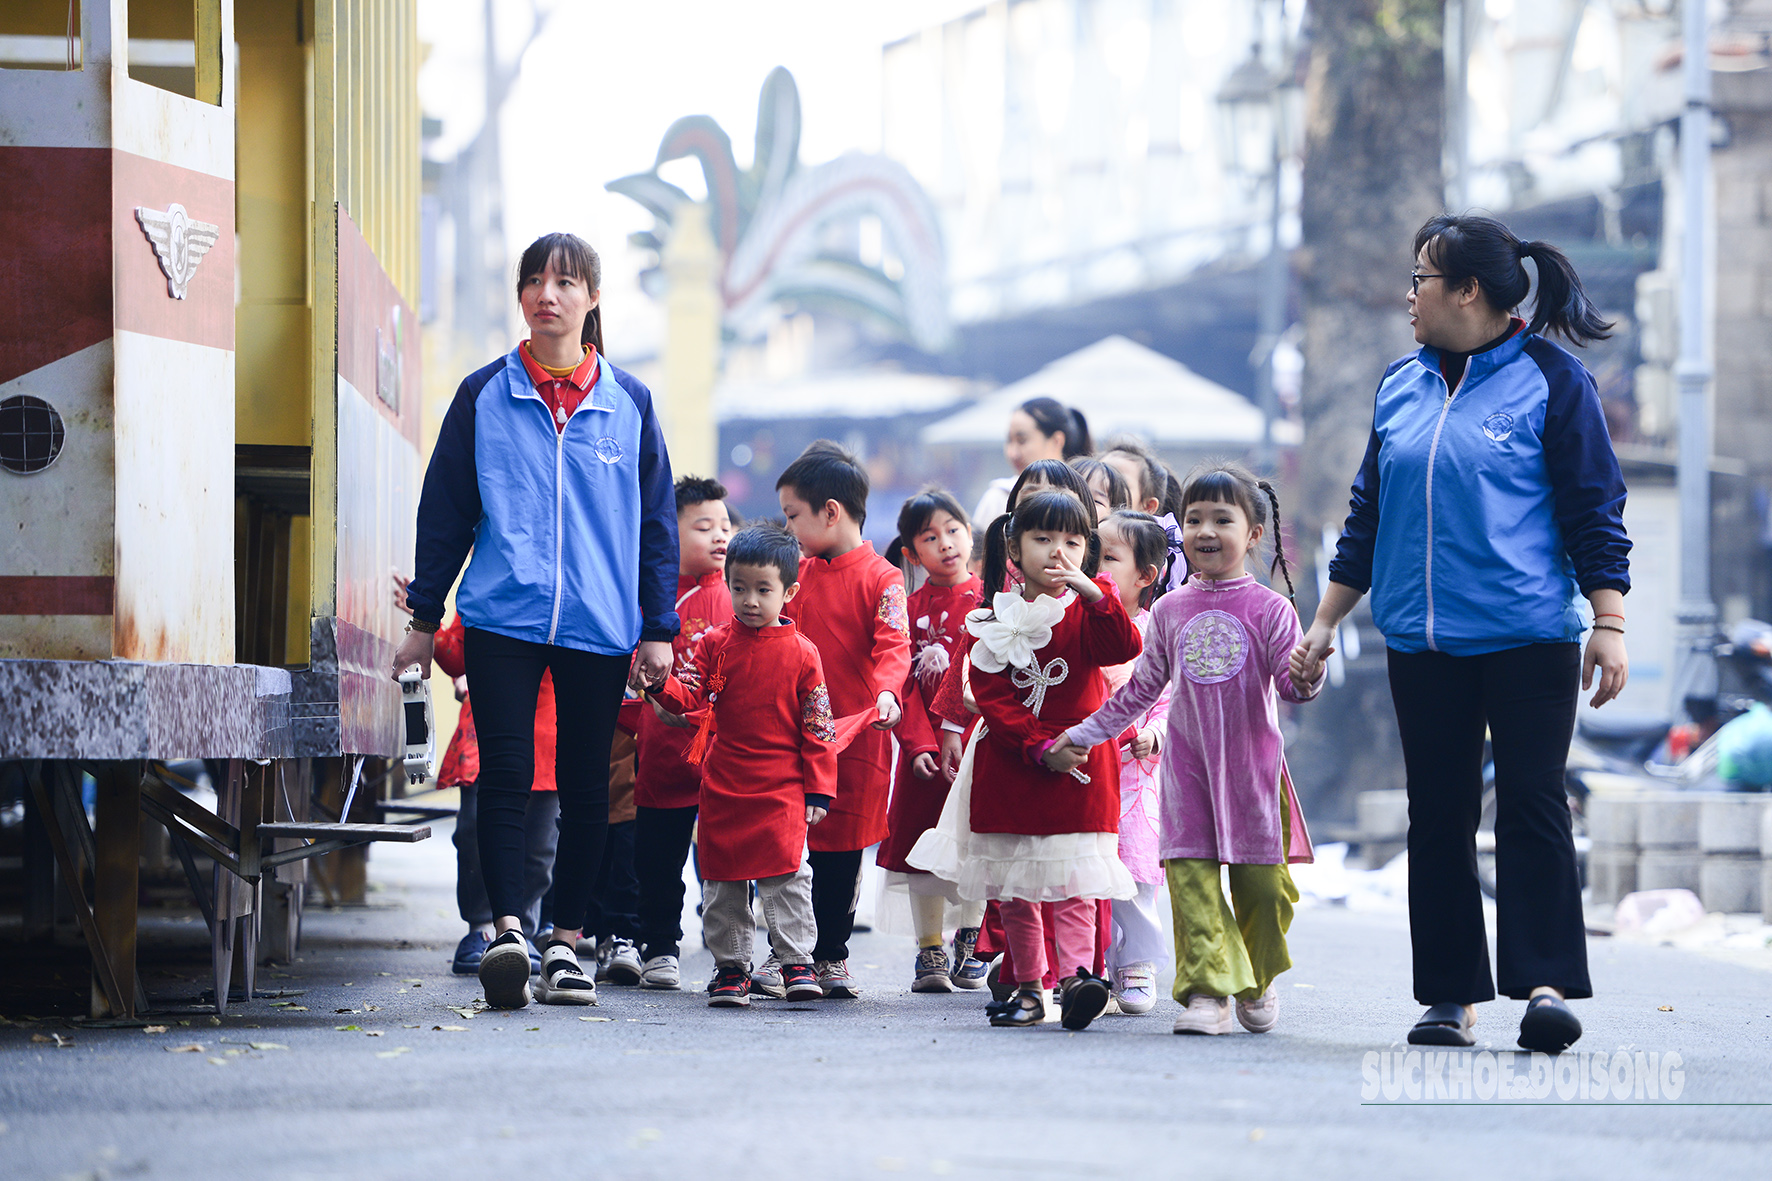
x=1259, y=1015
x=1205, y=1014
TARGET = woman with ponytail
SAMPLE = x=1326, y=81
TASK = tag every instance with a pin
x=1039, y=428
x=1488, y=508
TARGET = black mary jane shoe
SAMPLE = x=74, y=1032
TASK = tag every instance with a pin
x=1443, y=1025
x=1548, y=1026
x=1022, y=1009
x=1085, y=996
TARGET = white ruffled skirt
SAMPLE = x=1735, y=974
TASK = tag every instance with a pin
x=1001, y=865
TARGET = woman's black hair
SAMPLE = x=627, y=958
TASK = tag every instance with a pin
x=767, y=545
x=1468, y=246
x=1051, y=416
x=1154, y=476
x=1059, y=510
x=1150, y=548
x=1119, y=493
x=571, y=255
x=914, y=517
x=1232, y=483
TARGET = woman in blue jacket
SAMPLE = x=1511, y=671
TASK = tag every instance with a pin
x=1488, y=505
x=551, y=467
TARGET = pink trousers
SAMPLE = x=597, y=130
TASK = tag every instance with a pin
x=1073, y=937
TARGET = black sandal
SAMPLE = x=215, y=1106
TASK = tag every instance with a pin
x=1447, y=1024
x=1085, y=996
x=1022, y=1009
x=1548, y=1026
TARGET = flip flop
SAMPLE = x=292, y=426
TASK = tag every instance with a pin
x=1548, y=1026
x=1443, y=1025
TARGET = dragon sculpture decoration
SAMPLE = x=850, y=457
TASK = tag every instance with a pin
x=767, y=221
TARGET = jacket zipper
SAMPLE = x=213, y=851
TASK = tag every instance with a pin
x=1433, y=450
x=559, y=524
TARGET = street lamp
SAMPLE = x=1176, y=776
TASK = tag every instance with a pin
x=1251, y=101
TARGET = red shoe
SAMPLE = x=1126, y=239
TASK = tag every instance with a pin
x=801, y=982
x=731, y=988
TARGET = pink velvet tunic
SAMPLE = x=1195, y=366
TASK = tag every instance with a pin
x=1221, y=648
x=1140, y=801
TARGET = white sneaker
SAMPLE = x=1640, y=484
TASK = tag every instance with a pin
x=624, y=962
x=604, y=951
x=767, y=981
x=1205, y=1014
x=661, y=971
x=1260, y=1014
x=563, y=981
x=1135, y=988
x=834, y=978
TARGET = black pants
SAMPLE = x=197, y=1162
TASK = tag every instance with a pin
x=1526, y=696
x=662, y=837
x=504, y=676
x=836, y=888
x=541, y=827
x=615, y=900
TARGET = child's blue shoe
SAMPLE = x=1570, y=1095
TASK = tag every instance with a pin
x=468, y=954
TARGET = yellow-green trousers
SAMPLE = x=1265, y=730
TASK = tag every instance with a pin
x=1221, y=951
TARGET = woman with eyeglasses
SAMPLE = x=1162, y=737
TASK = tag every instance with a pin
x=1488, y=507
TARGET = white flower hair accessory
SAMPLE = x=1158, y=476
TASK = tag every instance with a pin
x=1012, y=631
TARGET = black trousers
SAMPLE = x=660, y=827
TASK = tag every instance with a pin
x=662, y=837
x=1526, y=697
x=614, y=909
x=836, y=888
x=504, y=676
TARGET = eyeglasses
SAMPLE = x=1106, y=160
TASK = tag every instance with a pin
x=1415, y=278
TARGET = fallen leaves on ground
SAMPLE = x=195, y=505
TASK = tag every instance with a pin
x=218, y=1062
x=153, y=1029
x=345, y=1010
x=596, y=1019
x=345, y=1028
x=451, y=1028
x=61, y=1043
x=393, y=1053
x=1667, y=1008
x=372, y=1033
x=267, y=1046
x=187, y=1048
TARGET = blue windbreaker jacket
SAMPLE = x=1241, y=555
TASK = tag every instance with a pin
x=574, y=532
x=1479, y=514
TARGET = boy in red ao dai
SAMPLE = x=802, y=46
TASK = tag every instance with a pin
x=767, y=743
x=852, y=607
x=667, y=786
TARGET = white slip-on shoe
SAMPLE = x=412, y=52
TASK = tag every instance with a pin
x=662, y=972
x=563, y=981
x=1205, y=1014
x=1259, y=1015
x=504, y=971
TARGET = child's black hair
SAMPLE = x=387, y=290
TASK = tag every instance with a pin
x=1055, y=472
x=915, y=516
x=1232, y=483
x=571, y=255
x=693, y=490
x=1150, y=548
x=768, y=546
x=1155, y=480
x=1058, y=510
x=826, y=472
x=1119, y=493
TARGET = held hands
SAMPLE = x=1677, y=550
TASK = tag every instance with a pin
x=1063, y=570
x=814, y=813
x=461, y=688
x=652, y=664
x=924, y=766
x=953, y=748
x=887, y=703
x=1605, y=652
x=1147, y=743
x=1305, y=664
x=667, y=717
x=1065, y=757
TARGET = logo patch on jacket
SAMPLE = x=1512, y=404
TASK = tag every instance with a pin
x=1499, y=426
x=609, y=451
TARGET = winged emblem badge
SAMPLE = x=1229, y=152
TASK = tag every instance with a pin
x=179, y=242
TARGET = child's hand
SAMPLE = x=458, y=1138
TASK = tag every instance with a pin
x=1146, y=743
x=924, y=766
x=953, y=748
x=814, y=813
x=667, y=717
x=1065, y=757
x=1065, y=571
x=889, y=711
x=461, y=688
x=1305, y=665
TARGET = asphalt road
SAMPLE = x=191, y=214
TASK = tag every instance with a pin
x=659, y=1085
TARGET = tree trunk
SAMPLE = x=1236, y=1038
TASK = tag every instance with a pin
x=1375, y=101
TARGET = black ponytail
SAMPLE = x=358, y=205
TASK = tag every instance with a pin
x=1463, y=248
x=995, y=574
x=1052, y=416
x=1273, y=498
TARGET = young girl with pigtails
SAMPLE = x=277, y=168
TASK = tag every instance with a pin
x=1220, y=645
x=1014, y=829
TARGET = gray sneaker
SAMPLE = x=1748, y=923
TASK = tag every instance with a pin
x=662, y=972
x=932, y=973
x=767, y=981
x=624, y=963
x=834, y=978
